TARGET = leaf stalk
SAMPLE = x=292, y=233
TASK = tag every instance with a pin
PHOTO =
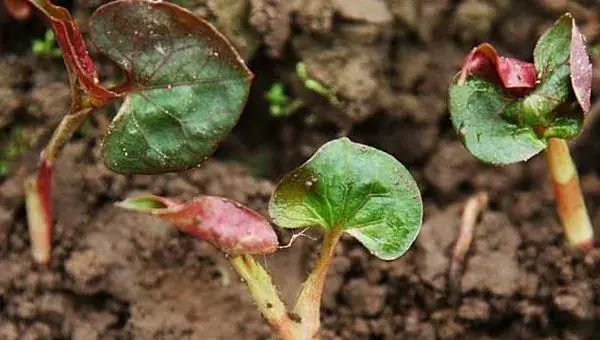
x=308, y=304
x=265, y=295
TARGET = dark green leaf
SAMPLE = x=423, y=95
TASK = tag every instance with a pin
x=356, y=188
x=185, y=91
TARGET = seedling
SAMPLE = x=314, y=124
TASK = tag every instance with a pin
x=345, y=187
x=506, y=111
x=46, y=46
x=184, y=91
x=315, y=85
x=280, y=104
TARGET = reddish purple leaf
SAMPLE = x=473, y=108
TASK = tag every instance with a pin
x=512, y=74
x=70, y=41
x=581, y=69
x=226, y=224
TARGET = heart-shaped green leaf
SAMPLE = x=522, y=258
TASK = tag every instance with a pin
x=501, y=126
x=185, y=89
x=356, y=188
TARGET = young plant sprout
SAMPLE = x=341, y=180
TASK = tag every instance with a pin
x=280, y=104
x=184, y=91
x=315, y=85
x=46, y=46
x=506, y=111
x=345, y=187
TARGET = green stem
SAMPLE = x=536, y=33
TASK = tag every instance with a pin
x=265, y=295
x=308, y=304
x=38, y=188
x=65, y=130
x=570, y=203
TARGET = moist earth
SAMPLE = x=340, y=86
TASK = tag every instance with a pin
x=387, y=64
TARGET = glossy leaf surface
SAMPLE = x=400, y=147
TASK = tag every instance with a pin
x=362, y=190
x=226, y=224
x=499, y=125
x=185, y=89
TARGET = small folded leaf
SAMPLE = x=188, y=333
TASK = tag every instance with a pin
x=356, y=188
x=185, y=89
x=226, y=224
x=509, y=73
x=499, y=125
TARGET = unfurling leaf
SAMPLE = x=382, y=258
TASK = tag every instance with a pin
x=226, y=224
x=356, y=188
x=509, y=73
x=501, y=118
x=185, y=89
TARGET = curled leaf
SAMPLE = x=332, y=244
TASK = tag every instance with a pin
x=75, y=52
x=509, y=73
x=356, y=188
x=226, y=224
x=501, y=126
x=185, y=90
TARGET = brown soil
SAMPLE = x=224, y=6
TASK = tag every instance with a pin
x=117, y=275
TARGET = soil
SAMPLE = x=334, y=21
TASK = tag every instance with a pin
x=117, y=275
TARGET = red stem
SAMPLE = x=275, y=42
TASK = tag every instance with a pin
x=38, y=188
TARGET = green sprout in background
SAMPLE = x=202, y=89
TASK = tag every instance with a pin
x=280, y=104
x=46, y=46
x=13, y=146
x=316, y=86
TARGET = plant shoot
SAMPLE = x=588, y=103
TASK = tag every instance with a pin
x=506, y=111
